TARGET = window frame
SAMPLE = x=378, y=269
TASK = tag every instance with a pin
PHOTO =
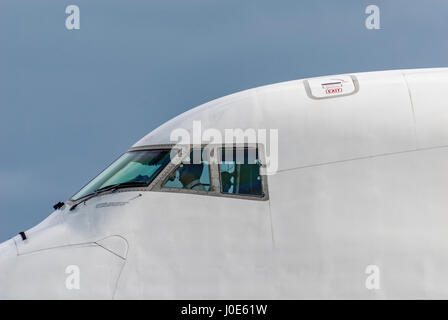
x=263, y=177
x=183, y=190
x=214, y=172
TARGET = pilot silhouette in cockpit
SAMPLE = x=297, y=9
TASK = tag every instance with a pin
x=190, y=175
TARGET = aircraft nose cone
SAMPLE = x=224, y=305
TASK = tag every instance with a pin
x=7, y=250
x=8, y=256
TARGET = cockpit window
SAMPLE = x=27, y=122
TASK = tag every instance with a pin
x=133, y=169
x=240, y=172
x=191, y=174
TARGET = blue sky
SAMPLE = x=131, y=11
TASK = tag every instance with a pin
x=73, y=101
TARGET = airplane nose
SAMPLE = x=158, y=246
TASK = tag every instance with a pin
x=7, y=250
x=8, y=256
x=50, y=273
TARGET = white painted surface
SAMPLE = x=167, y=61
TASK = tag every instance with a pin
x=362, y=181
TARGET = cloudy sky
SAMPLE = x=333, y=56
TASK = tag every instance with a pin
x=73, y=101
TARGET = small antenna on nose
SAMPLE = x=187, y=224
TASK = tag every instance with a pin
x=58, y=205
x=23, y=235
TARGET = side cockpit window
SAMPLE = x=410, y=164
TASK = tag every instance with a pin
x=240, y=172
x=192, y=174
x=235, y=171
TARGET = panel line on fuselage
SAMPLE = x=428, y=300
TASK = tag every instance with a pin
x=362, y=158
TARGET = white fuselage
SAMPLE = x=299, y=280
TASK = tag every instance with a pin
x=361, y=185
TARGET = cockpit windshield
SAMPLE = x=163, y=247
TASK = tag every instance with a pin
x=133, y=169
